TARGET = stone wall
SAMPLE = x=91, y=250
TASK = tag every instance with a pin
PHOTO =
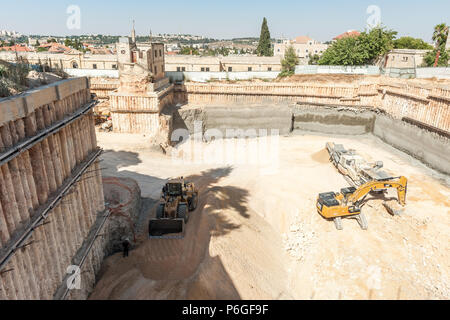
x=139, y=113
x=51, y=190
x=425, y=101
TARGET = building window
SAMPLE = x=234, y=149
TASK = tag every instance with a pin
x=156, y=70
x=114, y=66
x=249, y=68
x=269, y=69
x=202, y=69
x=230, y=69
x=306, y=50
x=94, y=66
x=178, y=69
x=183, y=69
x=207, y=69
x=405, y=59
x=160, y=53
x=155, y=53
x=278, y=49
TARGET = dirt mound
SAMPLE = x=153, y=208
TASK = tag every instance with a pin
x=321, y=156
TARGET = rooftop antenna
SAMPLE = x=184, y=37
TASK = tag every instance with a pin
x=151, y=36
x=133, y=34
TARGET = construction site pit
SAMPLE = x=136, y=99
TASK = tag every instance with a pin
x=256, y=233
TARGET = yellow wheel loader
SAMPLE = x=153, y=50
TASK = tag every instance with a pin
x=178, y=199
x=348, y=202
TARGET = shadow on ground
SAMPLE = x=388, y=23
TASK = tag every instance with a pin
x=175, y=268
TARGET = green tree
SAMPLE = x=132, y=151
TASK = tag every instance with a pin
x=430, y=57
x=361, y=50
x=264, y=45
x=411, y=43
x=440, y=35
x=313, y=59
x=68, y=43
x=189, y=50
x=289, y=62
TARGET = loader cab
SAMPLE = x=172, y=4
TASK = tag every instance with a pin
x=174, y=189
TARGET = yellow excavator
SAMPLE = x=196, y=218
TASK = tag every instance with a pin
x=348, y=202
x=178, y=199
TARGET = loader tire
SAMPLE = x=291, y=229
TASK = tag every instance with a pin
x=160, y=211
x=338, y=223
x=193, y=202
x=183, y=212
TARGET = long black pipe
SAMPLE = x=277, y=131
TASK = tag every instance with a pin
x=30, y=142
x=41, y=213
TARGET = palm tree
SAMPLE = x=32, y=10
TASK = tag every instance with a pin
x=440, y=35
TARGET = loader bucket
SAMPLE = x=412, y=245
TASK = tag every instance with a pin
x=166, y=228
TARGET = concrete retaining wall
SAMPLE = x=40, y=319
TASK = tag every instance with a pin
x=207, y=76
x=430, y=148
x=238, y=117
x=439, y=73
x=30, y=180
x=334, y=120
x=105, y=73
x=320, y=69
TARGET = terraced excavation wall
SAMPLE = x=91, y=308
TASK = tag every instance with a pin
x=424, y=101
x=51, y=197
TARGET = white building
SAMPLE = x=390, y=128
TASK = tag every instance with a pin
x=304, y=47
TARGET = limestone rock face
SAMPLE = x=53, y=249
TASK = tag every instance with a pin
x=123, y=196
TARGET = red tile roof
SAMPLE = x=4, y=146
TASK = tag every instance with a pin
x=17, y=47
x=55, y=47
x=302, y=39
x=351, y=33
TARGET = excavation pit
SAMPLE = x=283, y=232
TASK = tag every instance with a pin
x=257, y=235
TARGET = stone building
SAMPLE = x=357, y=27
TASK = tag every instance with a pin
x=187, y=63
x=69, y=60
x=403, y=58
x=143, y=90
x=303, y=46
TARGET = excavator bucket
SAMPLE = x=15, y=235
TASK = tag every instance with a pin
x=393, y=207
x=166, y=228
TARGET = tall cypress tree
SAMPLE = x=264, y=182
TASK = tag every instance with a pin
x=264, y=45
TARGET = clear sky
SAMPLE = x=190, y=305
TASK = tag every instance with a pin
x=319, y=19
